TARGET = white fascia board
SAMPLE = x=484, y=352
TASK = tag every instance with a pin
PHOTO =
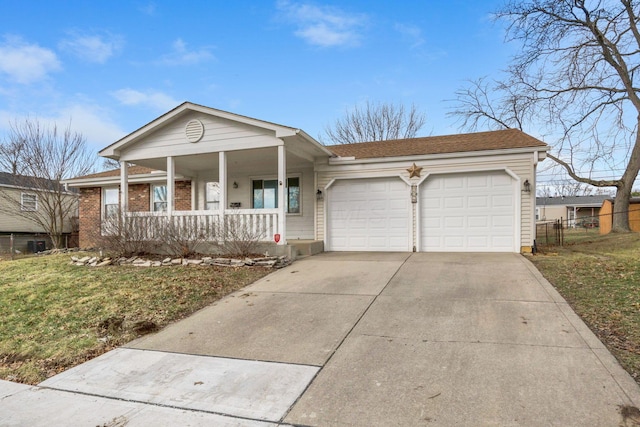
x=115, y=180
x=484, y=153
x=314, y=143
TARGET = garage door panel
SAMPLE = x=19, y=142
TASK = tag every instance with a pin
x=453, y=202
x=502, y=201
x=478, y=181
x=454, y=242
x=478, y=242
x=478, y=221
x=453, y=183
x=481, y=202
x=376, y=219
x=468, y=212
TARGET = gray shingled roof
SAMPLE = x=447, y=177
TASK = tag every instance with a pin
x=9, y=179
x=572, y=200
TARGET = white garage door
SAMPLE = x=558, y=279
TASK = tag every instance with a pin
x=472, y=212
x=368, y=215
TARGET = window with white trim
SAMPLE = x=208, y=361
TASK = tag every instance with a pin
x=29, y=202
x=111, y=201
x=159, y=198
x=265, y=194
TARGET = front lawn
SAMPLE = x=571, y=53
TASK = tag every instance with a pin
x=599, y=276
x=54, y=315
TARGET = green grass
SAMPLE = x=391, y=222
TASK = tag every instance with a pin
x=55, y=315
x=599, y=276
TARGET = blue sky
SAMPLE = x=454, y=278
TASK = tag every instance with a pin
x=113, y=66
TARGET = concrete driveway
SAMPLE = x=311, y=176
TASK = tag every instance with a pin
x=357, y=339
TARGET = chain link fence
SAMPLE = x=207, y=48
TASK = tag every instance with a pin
x=20, y=243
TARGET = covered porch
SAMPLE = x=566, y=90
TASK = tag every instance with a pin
x=215, y=171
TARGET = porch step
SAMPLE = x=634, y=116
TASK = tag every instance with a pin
x=307, y=247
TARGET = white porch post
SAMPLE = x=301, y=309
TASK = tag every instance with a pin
x=222, y=179
x=282, y=195
x=124, y=187
x=171, y=185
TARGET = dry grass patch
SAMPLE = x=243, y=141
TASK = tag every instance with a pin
x=55, y=315
x=600, y=278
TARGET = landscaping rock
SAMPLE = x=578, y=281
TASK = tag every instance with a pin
x=274, y=262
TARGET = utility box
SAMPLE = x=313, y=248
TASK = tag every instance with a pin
x=35, y=246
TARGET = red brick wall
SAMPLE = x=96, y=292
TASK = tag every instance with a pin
x=89, y=212
x=139, y=197
x=139, y=201
x=183, y=196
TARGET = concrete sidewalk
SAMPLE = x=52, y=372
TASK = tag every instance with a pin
x=361, y=339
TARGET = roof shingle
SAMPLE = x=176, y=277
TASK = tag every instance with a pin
x=479, y=141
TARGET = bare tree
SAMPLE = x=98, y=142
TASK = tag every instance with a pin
x=39, y=158
x=568, y=188
x=375, y=122
x=575, y=76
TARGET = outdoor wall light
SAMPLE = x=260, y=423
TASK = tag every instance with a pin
x=235, y=184
x=527, y=186
x=319, y=195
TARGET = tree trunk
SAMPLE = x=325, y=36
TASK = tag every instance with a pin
x=620, y=222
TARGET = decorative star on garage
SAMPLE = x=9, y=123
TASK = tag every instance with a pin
x=414, y=170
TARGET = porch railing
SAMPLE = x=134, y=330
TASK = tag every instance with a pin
x=211, y=225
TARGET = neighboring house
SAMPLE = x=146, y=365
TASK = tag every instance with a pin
x=197, y=165
x=18, y=199
x=574, y=211
x=606, y=215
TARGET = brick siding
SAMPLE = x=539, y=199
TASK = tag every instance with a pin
x=139, y=201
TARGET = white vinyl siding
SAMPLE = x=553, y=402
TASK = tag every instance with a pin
x=219, y=135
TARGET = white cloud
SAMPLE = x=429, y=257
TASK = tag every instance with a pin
x=181, y=55
x=92, y=121
x=154, y=99
x=93, y=48
x=26, y=63
x=411, y=33
x=148, y=9
x=323, y=26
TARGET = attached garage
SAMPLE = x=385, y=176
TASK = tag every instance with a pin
x=470, y=212
x=369, y=215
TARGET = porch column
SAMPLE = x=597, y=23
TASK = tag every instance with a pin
x=171, y=185
x=282, y=195
x=222, y=180
x=124, y=187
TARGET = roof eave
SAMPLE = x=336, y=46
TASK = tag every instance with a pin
x=459, y=154
x=115, y=180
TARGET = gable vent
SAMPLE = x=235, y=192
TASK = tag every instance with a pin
x=194, y=130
